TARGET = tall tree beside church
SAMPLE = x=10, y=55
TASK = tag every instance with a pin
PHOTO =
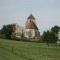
x=7, y=30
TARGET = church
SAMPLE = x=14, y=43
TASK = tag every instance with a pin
x=31, y=29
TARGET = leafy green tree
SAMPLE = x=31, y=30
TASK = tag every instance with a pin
x=49, y=37
x=55, y=29
x=7, y=30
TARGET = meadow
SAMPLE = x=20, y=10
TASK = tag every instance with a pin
x=19, y=50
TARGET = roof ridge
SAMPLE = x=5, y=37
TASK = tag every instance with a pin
x=31, y=17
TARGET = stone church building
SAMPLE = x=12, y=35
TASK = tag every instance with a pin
x=31, y=29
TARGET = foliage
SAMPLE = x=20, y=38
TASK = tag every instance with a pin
x=49, y=37
x=7, y=30
x=55, y=29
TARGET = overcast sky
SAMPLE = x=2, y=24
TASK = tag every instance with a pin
x=46, y=12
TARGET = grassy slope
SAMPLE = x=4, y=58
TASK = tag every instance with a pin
x=17, y=50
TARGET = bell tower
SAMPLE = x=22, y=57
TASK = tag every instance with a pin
x=30, y=18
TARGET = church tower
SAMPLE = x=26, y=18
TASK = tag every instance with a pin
x=30, y=18
x=31, y=29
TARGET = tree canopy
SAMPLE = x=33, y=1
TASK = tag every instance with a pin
x=49, y=37
x=7, y=30
x=55, y=29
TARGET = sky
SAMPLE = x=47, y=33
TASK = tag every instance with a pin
x=46, y=12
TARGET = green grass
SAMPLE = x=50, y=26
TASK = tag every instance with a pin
x=18, y=50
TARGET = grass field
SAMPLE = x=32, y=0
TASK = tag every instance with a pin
x=18, y=50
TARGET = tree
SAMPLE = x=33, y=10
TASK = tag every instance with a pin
x=49, y=37
x=55, y=29
x=7, y=30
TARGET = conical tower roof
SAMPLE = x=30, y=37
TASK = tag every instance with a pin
x=31, y=17
x=31, y=25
